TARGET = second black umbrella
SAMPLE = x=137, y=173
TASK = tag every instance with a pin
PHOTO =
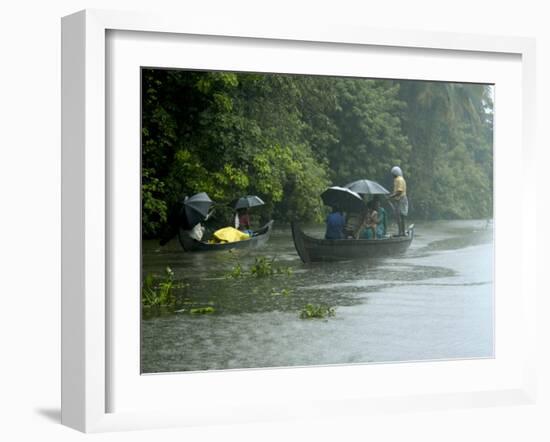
x=248, y=201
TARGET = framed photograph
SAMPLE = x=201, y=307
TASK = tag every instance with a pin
x=262, y=223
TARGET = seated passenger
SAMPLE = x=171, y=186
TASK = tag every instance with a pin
x=242, y=221
x=197, y=232
x=371, y=221
x=335, y=225
x=377, y=221
x=353, y=221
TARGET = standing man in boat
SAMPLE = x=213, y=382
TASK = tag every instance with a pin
x=399, y=196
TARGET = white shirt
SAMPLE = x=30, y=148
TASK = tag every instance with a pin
x=197, y=232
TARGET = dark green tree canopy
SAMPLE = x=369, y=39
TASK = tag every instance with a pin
x=287, y=137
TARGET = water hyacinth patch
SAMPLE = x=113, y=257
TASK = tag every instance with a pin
x=263, y=267
x=158, y=291
x=202, y=310
x=282, y=292
x=311, y=311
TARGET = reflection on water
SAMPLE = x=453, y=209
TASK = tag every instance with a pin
x=433, y=302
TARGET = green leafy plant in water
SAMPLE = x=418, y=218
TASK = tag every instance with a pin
x=282, y=292
x=237, y=271
x=202, y=310
x=159, y=292
x=263, y=267
x=311, y=311
x=284, y=271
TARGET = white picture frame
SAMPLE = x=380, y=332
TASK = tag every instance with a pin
x=86, y=315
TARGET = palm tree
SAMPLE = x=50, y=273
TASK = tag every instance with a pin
x=442, y=117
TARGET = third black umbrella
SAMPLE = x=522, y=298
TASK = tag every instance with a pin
x=342, y=198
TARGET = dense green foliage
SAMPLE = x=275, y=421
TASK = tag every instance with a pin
x=286, y=137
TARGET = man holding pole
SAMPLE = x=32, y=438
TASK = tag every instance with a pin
x=399, y=196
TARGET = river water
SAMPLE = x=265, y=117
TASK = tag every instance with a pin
x=434, y=302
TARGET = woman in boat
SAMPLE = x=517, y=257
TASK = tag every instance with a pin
x=335, y=224
x=375, y=226
x=399, y=196
x=368, y=229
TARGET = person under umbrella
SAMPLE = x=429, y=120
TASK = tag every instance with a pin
x=399, y=196
x=376, y=222
x=340, y=199
x=242, y=214
x=335, y=224
x=242, y=219
x=369, y=190
x=197, y=210
x=187, y=214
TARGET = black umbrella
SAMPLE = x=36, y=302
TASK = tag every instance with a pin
x=196, y=208
x=248, y=201
x=367, y=187
x=342, y=198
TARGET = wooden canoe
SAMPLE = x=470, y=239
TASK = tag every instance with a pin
x=315, y=249
x=258, y=239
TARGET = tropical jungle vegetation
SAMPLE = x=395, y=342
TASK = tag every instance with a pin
x=286, y=138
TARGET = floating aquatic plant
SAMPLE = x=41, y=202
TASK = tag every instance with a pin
x=202, y=310
x=282, y=292
x=263, y=267
x=158, y=292
x=311, y=311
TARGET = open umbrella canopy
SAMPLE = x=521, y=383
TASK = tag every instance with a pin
x=342, y=198
x=196, y=208
x=248, y=201
x=367, y=187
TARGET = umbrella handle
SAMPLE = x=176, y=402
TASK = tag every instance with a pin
x=209, y=214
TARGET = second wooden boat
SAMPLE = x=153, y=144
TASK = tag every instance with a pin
x=312, y=249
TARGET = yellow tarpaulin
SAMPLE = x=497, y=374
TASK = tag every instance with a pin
x=229, y=234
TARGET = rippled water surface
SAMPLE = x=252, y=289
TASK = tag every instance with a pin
x=433, y=302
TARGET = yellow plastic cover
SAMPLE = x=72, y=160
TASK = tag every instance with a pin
x=230, y=234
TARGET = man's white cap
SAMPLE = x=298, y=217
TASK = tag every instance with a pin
x=396, y=171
